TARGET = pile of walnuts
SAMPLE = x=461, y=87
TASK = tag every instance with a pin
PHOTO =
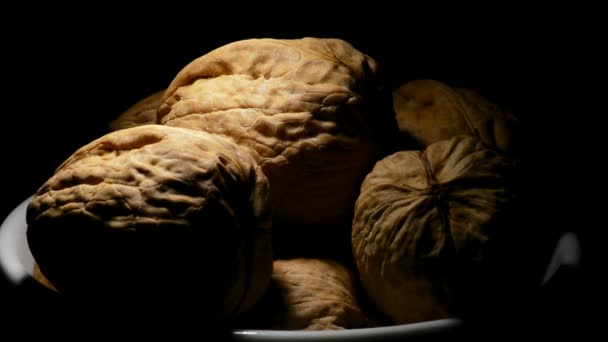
x=201, y=192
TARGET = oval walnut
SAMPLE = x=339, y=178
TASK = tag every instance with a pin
x=153, y=215
x=431, y=111
x=304, y=109
x=429, y=228
x=310, y=294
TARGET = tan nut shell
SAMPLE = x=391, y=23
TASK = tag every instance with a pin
x=431, y=111
x=143, y=112
x=154, y=211
x=420, y=216
x=299, y=106
x=40, y=278
x=311, y=294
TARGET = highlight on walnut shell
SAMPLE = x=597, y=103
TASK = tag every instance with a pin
x=304, y=108
x=156, y=214
x=310, y=294
x=143, y=112
x=430, y=111
x=428, y=229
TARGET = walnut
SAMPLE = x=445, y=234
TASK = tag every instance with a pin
x=141, y=113
x=431, y=111
x=310, y=294
x=303, y=108
x=152, y=214
x=42, y=279
x=426, y=228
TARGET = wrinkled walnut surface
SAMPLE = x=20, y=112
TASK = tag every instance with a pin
x=151, y=211
x=432, y=111
x=311, y=294
x=421, y=216
x=302, y=107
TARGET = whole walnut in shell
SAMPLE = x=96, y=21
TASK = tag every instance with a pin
x=431, y=111
x=156, y=214
x=310, y=294
x=143, y=112
x=304, y=108
x=428, y=228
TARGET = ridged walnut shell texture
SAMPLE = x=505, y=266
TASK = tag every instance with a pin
x=143, y=112
x=431, y=111
x=299, y=106
x=426, y=224
x=310, y=294
x=156, y=214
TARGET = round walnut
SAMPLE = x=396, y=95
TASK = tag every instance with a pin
x=143, y=112
x=156, y=214
x=303, y=108
x=310, y=294
x=428, y=226
x=430, y=111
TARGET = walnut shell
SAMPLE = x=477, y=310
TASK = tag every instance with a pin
x=42, y=279
x=143, y=112
x=310, y=294
x=301, y=107
x=156, y=213
x=426, y=226
x=431, y=111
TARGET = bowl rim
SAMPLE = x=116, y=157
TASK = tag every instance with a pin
x=16, y=262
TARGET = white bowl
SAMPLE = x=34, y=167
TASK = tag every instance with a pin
x=17, y=262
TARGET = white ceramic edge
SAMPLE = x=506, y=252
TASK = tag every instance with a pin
x=15, y=262
x=567, y=252
x=363, y=334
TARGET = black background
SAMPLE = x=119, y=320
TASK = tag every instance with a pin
x=67, y=76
